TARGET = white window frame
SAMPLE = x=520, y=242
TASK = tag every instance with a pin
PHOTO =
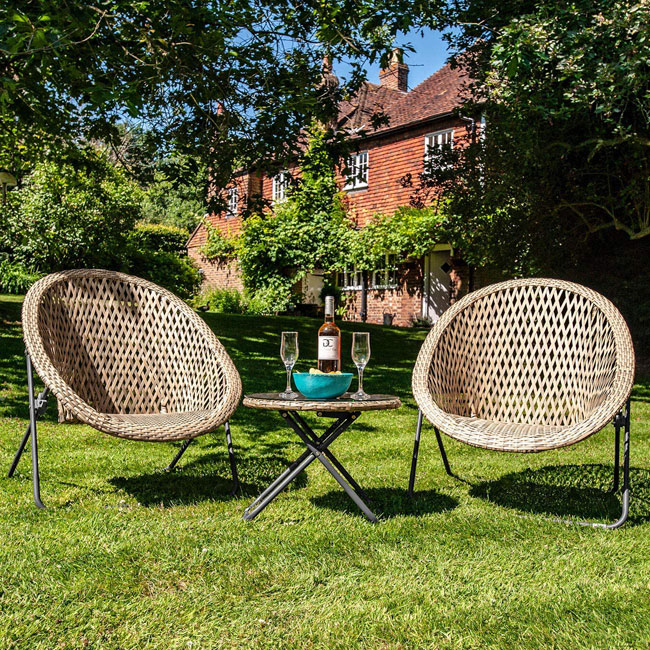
x=358, y=166
x=437, y=139
x=232, y=198
x=386, y=278
x=350, y=279
x=279, y=186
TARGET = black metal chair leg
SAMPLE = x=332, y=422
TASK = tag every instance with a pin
x=625, y=497
x=181, y=451
x=443, y=453
x=617, y=451
x=416, y=447
x=32, y=424
x=233, y=462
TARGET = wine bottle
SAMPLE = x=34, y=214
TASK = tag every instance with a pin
x=329, y=340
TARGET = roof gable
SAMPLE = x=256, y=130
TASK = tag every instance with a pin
x=439, y=94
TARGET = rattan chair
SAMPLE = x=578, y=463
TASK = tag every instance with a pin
x=127, y=358
x=527, y=366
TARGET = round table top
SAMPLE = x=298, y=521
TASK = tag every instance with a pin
x=273, y=402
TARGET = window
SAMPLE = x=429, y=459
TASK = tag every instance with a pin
x=233, y=201
x=350, y=280
x=386, y=278
x=436, y=141
x=280, y=185
x=357, y=171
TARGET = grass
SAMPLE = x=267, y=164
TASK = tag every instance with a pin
x=127, y=557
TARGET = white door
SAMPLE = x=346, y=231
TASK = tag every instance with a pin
x=435, y=298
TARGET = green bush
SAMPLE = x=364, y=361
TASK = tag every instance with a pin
x=68, y=215
x=223, y=301
x=159, y=237
x=16, y=277
x=270, y=300
x=157, y=253
x=219, y=246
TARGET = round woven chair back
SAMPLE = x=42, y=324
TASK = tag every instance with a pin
x=115, y=344
x=553, y=357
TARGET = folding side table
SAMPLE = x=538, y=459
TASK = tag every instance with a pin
x=344, y=411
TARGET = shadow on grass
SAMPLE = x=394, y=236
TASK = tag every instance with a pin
x=582, y=491
x=389, y=502
x=206, y=478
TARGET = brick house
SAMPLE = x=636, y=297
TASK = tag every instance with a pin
x=418, y=119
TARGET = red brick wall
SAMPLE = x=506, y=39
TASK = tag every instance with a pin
x=390, y=157
x=403, y=303
x=225, y=275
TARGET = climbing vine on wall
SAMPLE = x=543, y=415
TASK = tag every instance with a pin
x=310, y=231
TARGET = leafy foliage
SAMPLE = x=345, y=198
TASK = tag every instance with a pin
x=223, y=301
x=408, y=232
x=85, y=215
x=233, y=82
x=74, y=214
x=157, y=253
x=159, y=237
x=305, y=232
x=566, y=91
x=16, y=277
x=219, y=246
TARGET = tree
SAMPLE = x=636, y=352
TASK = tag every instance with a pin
x=76, y=214
x=304, y=233
x=566, y=92
x=232, y=82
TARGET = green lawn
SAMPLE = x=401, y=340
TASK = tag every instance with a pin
x=127, y=557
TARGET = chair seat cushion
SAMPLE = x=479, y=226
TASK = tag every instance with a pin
x=505, y=436
x=158, y=427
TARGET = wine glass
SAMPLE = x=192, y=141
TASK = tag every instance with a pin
x=289, y=354
x=360, y=356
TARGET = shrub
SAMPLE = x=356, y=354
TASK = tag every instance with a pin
x=219, y=246
x=223, y=301
x=156, y=252
x=270, y=300
x=16, y=277
x=159, y=237
x=72, y=214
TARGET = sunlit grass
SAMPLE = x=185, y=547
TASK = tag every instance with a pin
x=128, y=557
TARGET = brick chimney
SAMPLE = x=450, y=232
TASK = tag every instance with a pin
x=396, y=76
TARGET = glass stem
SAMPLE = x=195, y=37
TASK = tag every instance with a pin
x=360, y=369
x=288, y=389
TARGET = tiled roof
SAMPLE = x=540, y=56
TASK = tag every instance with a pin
x=438, y=94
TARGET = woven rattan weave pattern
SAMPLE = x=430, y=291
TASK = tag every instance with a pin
x=525, y=365
x=128, y=357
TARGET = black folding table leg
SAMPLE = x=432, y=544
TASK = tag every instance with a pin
x=317, y=452
x=32, y=424
x=289, y=470
x=333, y=459
x=294, y=470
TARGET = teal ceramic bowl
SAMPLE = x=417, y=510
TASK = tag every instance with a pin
x=322, y=386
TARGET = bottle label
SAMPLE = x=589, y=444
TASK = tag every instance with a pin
x=328, y=347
